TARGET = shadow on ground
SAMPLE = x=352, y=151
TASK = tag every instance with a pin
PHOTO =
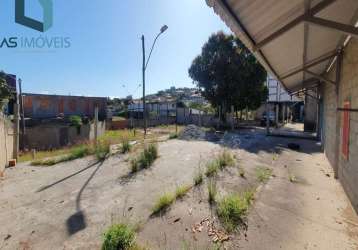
x=252, y=140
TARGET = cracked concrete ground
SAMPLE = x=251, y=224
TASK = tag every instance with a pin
x=68, y=206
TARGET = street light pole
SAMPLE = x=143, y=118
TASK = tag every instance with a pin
x=143, y=75
x=144, y=67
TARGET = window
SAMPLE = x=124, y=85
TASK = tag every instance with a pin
x=345, y=130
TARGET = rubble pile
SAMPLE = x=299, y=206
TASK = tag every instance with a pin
x=192, y=132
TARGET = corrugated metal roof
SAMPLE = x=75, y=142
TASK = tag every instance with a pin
x=255, y=20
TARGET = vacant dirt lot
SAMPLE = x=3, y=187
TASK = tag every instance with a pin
x=68, y=206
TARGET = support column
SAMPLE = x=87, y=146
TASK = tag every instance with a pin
x=338, y=115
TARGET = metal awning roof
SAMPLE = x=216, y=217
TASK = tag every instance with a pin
x=295, y=40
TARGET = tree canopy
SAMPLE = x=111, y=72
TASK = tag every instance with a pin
x=227, y=74
x=5, y=92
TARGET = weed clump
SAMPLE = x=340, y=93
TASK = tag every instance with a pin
x=101, y=150
x=198, y=178
x=225, y=159
x=163, y=202
x=119, y=236
x=145, y=159
x=232, y=210
x=242, y=173
x=181, y=191
x=212, y=168
x=173, y=136
x=125, y=147
x=263, y=174
x=212, y=191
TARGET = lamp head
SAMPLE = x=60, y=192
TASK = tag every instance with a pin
x=163, y=29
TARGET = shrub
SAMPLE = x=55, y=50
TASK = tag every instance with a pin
x=198, y=178
x=163, y=203
x=212, y=168
x=119, y=236
x=232, y=210
x=181, y=191
x=212, y=191
x=75, y=121
x=263, y=174
x=225, y=159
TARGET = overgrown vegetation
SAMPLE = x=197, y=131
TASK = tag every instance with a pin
x=101, y=150
x=212, y=191
x=263, y=174
x=163, y=202
x=145, y=159
x=233, y=209
x=119, y=236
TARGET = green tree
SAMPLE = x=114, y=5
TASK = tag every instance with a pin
x=5, y=92
x=227, y=73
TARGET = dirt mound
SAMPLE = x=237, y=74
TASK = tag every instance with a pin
x=192, y=132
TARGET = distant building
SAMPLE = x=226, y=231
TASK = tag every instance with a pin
x=39, y=106
x=164, y=108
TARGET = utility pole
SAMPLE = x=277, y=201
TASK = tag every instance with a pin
x=145, y=64
x=143, y=75
x=22, y=115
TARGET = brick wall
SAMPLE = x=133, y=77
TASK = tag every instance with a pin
x=348, y=91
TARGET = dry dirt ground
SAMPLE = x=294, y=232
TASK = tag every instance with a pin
x=68, y=206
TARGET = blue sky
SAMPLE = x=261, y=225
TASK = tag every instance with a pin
x=105, y=51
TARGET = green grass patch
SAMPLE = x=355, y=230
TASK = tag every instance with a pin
x=119, y=236
x=263, y=174
x=212, y=191
x=145, y=159
x=181, y=191
x=163, y=203
x=232, y=210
